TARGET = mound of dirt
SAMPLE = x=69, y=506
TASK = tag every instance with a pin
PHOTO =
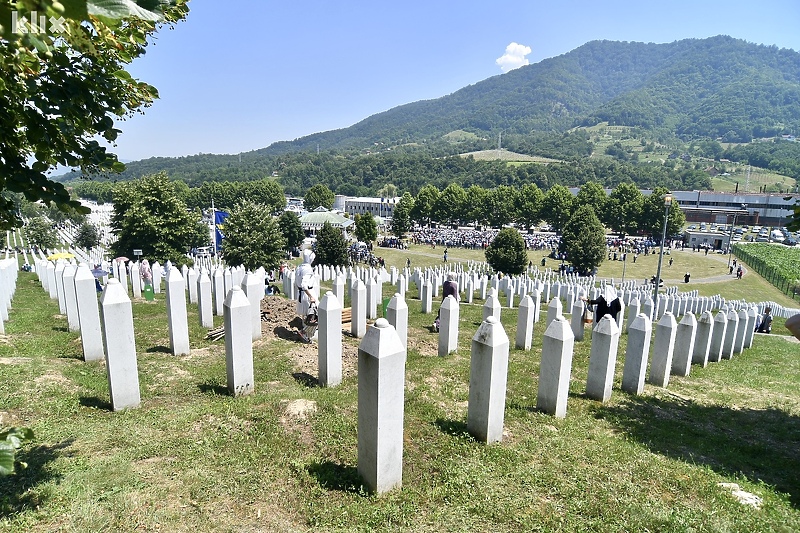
x=279, y=320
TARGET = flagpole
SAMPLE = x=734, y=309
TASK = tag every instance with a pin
x=214, y=222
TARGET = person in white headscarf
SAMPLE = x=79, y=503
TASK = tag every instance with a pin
x=305, y=290
x=146, y=272
x=607, y=304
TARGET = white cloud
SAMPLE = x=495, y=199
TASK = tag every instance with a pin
x=514, y=57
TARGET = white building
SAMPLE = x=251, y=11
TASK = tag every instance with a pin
x=379, y=207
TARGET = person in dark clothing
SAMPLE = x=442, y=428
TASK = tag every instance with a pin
x=449, y=288
x=606, y=304
x=686, y=277
x=765, y=325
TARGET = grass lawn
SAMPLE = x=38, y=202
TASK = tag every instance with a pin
x=193, y=458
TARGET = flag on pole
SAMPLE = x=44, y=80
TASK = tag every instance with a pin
x=219, y=222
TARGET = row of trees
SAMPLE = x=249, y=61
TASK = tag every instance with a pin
x=626, y=210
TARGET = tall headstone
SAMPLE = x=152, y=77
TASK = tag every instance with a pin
x=751, y=326
x=176, y=313
x=397, y=315
x=524, y=337
x=634, y=309
x=219, y=291
x=156, y=269
x=537, y=305
x=554, y=310
x=51, y=280
x=192, y=281
x=252, y=289
x=718, y=335
x=381, y=386
x=663, y=349
x=576, y=320
x=702, y=341
x=205, y=309
x=372, y=298
x=70, y=298
x=89, y=314
x=238, y=343
x=62, y=303
x=427, y=297
x=730, y=334
x=602, y=359
x=338, y=288
x=684, y=345
x=448, y=326
x=554, y=371
x=329, y=352
x=491, y=307
x=136, y=280
x=120, y=347
x=738, y=343
x=358, y=309
x=637, y=354
x=487, y=381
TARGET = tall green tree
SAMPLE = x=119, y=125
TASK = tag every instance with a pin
x=476, y=208
x=450, y=206
x=291, y=228
x=423, y=211
x=62, y=88
x=529, y=205
x=653, y=211
x=592, y=194
x=583, y=239
x=624, y=209
x=39, y=232
x=507, y=253
x=366, y=227
x=331, y=247
x=88, y=236
x=148, y=215
x=401, y=217
x=318, y=195
x=501, y=205
x=253, y=237
x=557, y=207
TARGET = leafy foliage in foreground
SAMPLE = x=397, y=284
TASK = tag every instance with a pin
x=61, y=89
x=10, y=441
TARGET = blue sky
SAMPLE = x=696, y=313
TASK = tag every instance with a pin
x=238, y=75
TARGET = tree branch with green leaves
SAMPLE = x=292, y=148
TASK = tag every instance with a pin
x=62, y=85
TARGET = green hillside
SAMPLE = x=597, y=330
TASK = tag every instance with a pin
x=716, y=87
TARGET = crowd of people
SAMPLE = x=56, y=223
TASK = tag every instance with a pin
x=478, y=239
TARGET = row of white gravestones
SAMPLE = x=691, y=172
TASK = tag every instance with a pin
x=8, y=286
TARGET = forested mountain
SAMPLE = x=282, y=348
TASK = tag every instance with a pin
x=715, y=87
x=670, y=94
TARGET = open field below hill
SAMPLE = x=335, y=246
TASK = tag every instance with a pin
x=193, y=458
x=505, y=155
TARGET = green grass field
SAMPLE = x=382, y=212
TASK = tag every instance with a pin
x=192, y=458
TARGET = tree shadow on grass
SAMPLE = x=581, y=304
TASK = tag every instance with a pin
x=456, y=428
x=306, y=379
x=159, y=349
x=18, y=491
x=336, y=476
x=761, y=444
x=213, y=388
x=95, y=402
